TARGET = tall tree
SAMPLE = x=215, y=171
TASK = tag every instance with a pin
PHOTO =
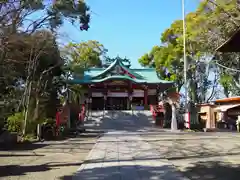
x=42, y=64
x=18, y=30
x=80, y=56
x=220, y=19
x=168, y=58
x=85, y=54
x=16, y=20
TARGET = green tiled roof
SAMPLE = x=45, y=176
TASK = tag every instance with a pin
x=112, y=66
x=99, y=75
x=120, y=77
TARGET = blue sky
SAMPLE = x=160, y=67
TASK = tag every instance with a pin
x=128, y=27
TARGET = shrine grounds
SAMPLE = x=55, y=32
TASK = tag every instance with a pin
x=45, y=160
x=191, y=155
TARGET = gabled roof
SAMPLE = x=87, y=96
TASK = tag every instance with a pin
x=112, y=66
x=232, y=44
x=99, y=75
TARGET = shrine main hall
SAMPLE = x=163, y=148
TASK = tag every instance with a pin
x=119, y=87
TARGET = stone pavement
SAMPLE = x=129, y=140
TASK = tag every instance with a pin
x=133, y=148
x=126, y=156
x=49, y=160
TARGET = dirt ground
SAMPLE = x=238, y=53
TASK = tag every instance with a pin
x=45, y=160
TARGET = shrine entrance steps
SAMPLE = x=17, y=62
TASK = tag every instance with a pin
x=119, y=120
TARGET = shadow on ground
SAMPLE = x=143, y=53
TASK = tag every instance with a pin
x=213, y=170
x=125, y=172
x=18, y=170
x=73, y=142
x=19, y=155
x=22, y=146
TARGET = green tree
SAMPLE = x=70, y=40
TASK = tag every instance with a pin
x=209, y=26
x=15, y=58
x=43, y=64
x=86, y=54
x=78, y=58
x=15, y=13
x=16, y=21
x=220, y=19
x=168, y=58
x=149, y=59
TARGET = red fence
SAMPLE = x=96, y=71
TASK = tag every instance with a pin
x=62, y=116
x=155, y=109
x=82, y=113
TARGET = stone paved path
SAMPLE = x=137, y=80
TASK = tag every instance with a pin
x=49, y=160
x=124, y=155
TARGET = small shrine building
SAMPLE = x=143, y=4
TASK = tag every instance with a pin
x=119, y=87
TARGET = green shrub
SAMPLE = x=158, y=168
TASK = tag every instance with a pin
x=15, y=122
x=49, y=121
x=32, y=125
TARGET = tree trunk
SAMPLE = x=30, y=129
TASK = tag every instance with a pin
x=36, y=109
x=226, y=91
x=29, y=87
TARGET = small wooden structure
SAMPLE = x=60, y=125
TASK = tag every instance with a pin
x=221, y=114
x=228, y=109
x=206, y=115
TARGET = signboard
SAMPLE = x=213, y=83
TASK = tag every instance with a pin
x=152, y=92
x=117, y=94
x=138, y=93
x=115, y=83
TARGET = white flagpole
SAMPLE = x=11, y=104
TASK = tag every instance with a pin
x=184, y=45
x=185, y=59
x=184, y=48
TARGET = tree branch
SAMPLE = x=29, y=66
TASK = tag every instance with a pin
x=225, y=12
